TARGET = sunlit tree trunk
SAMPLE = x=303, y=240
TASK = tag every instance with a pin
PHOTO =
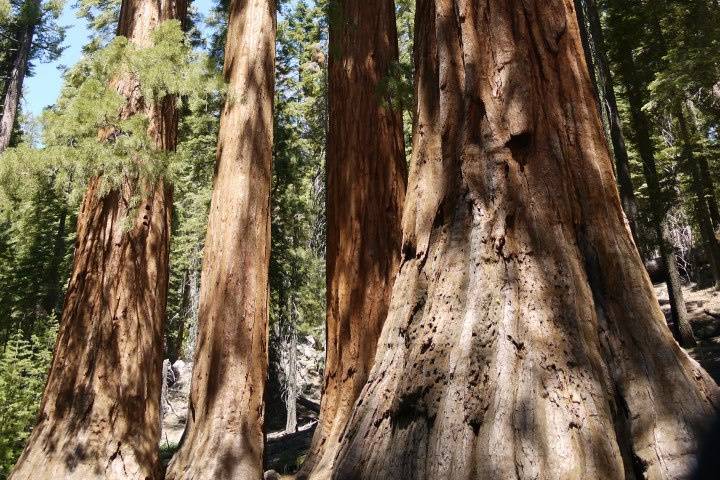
x=365, y=190
x=524, y=339
x=224, y=434
x=100, y=413
x=291, y=377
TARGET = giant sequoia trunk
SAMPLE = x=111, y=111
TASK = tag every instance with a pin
x=224, y=435
x=16, y=78
x=524, y=339
x=99, y=416
x=365, y=190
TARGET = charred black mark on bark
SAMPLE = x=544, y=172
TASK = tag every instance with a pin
x=408, y=251
x=409, y=408
x=519, y=346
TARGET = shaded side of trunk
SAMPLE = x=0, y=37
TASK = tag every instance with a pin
x=594, y=46
x=224, y=434
x=365, y=191
x=15, y=81
x=100, y=413
x=660, y=211
x=524, y=339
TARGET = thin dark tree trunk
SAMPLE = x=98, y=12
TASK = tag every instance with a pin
x=594, y=46
x=224, y=435
x=710, y=192
x=100, y=413
x=15, y=81
x=682, y=330
x=174, y=349
x=524, y=339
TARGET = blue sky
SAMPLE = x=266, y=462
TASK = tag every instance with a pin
x=43, y=87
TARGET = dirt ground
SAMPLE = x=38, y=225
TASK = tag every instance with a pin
x=704, y=310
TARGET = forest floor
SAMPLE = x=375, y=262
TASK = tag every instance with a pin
x=285, y=451
x=704, y=314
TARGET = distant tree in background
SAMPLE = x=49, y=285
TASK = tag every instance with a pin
x=30, y=33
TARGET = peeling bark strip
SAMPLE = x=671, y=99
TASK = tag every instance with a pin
x=224, y=435
x=365, y=191
x=100, y=409
x=524, y=339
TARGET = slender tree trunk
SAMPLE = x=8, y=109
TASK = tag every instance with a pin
x=702, y=209
x=100, y=412
x=365, y=191
x=594, y=46
x=705, y=176
x=646, y=149
x=224, y=435
x=524, y=339
x=291, y=374
x=15, y=81
x=192, y=315
x=174, y=347
x=709, y=187
x=682, y=330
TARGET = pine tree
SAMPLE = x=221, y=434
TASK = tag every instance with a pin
x=35, y=34
x=297, y=273
x=635, y=86
x=524, y=338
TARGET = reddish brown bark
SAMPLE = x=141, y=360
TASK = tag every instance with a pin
x=224, y=434
x=524, y=339
x=100, y=409
x=365, y=191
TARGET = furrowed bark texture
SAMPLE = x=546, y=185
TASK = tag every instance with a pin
x=224, y=435
x=524, y=339
x=99, y=416
x=365, y=190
